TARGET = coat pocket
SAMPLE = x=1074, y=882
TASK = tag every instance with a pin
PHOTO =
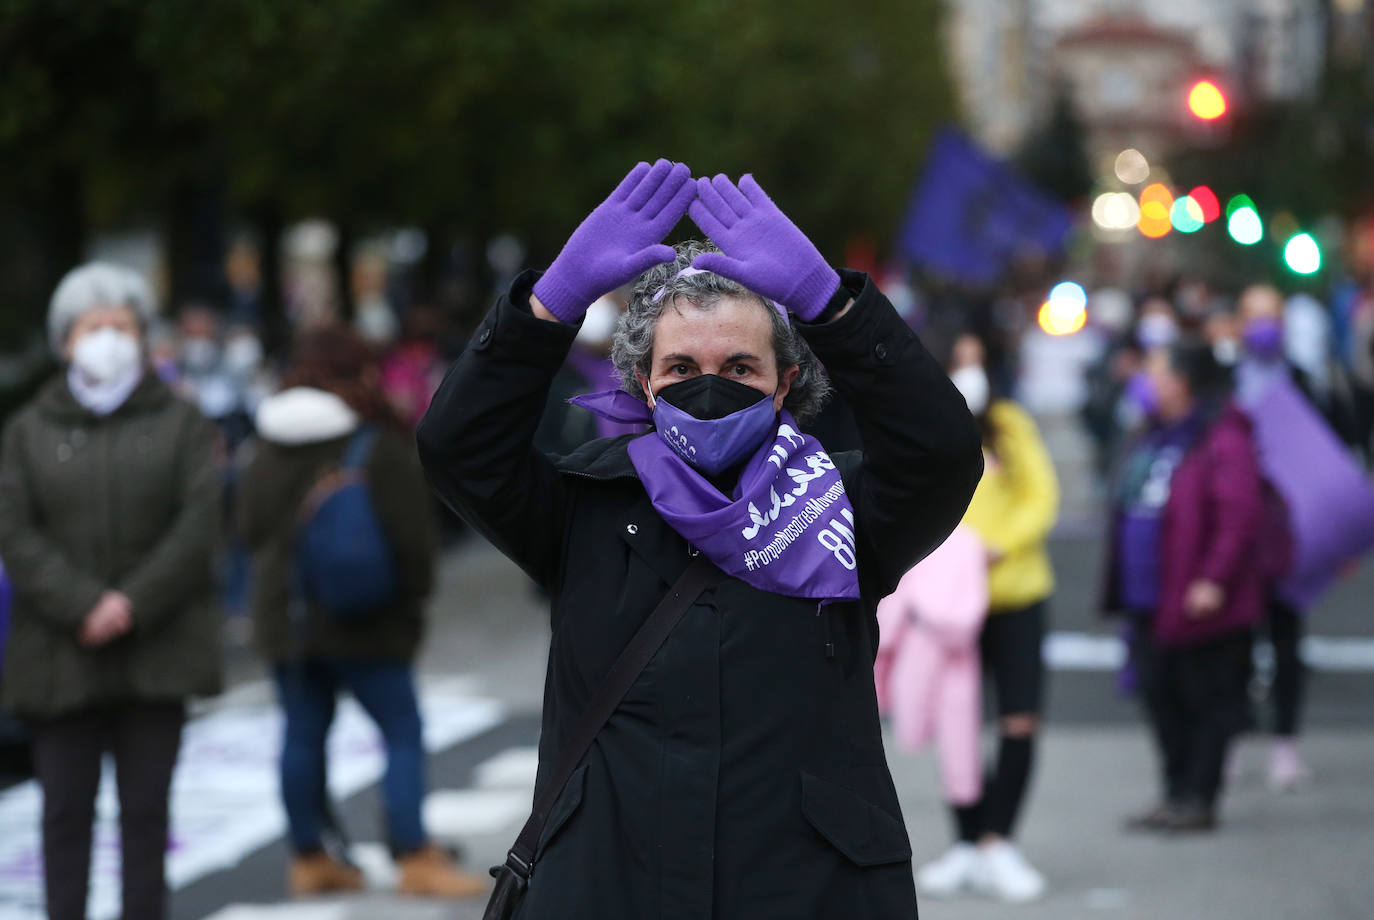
x=860, y=830
x=563, y=809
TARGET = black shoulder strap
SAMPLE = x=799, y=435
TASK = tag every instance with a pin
x=701, y=573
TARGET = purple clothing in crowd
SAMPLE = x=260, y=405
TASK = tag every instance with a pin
x=1144, y=495
x=601, y=374
x=1137, y=551
x=1210, y=529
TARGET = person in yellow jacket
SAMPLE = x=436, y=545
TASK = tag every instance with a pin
x=1012, y=511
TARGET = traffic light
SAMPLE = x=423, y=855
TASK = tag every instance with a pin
x=1206, y=100
x=1206, y=200
x=1302, y=254
x=1243, y=221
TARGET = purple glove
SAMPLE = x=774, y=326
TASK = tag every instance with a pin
x=618, y=240
x=760, y=247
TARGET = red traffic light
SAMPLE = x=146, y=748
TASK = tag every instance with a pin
x=1206, y=200
x=1206, y=101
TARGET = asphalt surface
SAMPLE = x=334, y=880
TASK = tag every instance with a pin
x=1304, y=854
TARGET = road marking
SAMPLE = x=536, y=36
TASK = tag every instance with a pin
x=281, y=912
x=378, y=867
x=515, y=766
x=225, y=801
x=455, y=815
x=1075, y=651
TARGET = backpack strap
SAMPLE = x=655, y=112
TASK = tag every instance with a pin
x=359, y=448
x=350, y=469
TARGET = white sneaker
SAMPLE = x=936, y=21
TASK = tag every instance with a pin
x=1287, y=771
x=1003, y=873
x=948, y=876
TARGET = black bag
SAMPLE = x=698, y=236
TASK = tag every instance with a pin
x=513, y=877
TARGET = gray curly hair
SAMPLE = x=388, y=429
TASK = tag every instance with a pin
x=633, y=347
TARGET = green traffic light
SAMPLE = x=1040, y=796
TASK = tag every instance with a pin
x=1237, y=202
x=1302, y=254
x=1244, y=226
x=1186, y=215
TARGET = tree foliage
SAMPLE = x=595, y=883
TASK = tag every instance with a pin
x=1055, y=157
x=471, y=118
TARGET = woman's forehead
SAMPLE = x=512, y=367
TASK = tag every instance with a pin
x=108, y=313
x=731, y=326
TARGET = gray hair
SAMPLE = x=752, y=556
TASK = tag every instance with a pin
x=633, y=347
x=96, y=284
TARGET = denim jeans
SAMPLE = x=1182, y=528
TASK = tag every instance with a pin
x=386, y=690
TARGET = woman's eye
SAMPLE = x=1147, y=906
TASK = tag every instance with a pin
x=741, y=370
x=679, y=369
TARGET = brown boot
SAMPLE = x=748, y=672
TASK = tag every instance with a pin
x=320, y=873
x=428, y=872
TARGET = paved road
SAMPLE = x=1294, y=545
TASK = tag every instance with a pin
x=1302, y=855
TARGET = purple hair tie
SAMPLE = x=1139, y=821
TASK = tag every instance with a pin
x=689, y=271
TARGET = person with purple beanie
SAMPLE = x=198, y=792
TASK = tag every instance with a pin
x=743, y=771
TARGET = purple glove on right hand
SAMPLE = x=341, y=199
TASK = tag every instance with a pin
x=618, y=240
x=760, y=247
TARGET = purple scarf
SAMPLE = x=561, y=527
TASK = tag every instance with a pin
x=788, y=527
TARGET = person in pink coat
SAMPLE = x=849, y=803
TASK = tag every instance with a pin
x=927, y=670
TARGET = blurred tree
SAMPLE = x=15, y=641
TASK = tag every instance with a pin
x=1055, y=157
x=469, y=119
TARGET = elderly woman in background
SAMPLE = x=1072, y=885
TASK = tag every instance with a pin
x=109, y=516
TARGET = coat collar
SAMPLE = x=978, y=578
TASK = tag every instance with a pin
x=604, y=459
x=56, y=401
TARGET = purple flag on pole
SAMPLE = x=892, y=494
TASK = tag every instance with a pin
x=972, y=215
x=1330, y=501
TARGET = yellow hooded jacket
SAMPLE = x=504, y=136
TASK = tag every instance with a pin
x=1014, y=510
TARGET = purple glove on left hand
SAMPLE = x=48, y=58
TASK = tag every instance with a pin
x=760, y=247
x=618, y=240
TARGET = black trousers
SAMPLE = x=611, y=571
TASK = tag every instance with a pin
x=144, y=739
x=1285, y=626
x=1196, y=700
x=1011, y=651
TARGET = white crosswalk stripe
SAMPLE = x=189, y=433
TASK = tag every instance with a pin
x=452, y=816
x=225, y=801
x=512, y=767
x=1076, y=651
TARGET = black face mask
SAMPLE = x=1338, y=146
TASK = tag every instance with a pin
x=709, y=396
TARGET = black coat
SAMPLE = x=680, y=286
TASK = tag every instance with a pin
x=743, y=776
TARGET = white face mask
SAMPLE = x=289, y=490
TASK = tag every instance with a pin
x=106, y=354
x=243, y=355
x=199, y=355
x=972, y=383
x=598, y=326
x=1156, y=330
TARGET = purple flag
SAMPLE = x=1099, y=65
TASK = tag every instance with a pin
x=1330, y=502
x=972, y=215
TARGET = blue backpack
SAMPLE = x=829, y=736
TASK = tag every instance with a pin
x=344, y=561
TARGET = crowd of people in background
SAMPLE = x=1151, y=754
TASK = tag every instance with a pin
x=137, y=490
x=1200, y=537
x=1216, y=537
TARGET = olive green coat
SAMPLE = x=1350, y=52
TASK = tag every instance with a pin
x=131, y=502
x=270, y=493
